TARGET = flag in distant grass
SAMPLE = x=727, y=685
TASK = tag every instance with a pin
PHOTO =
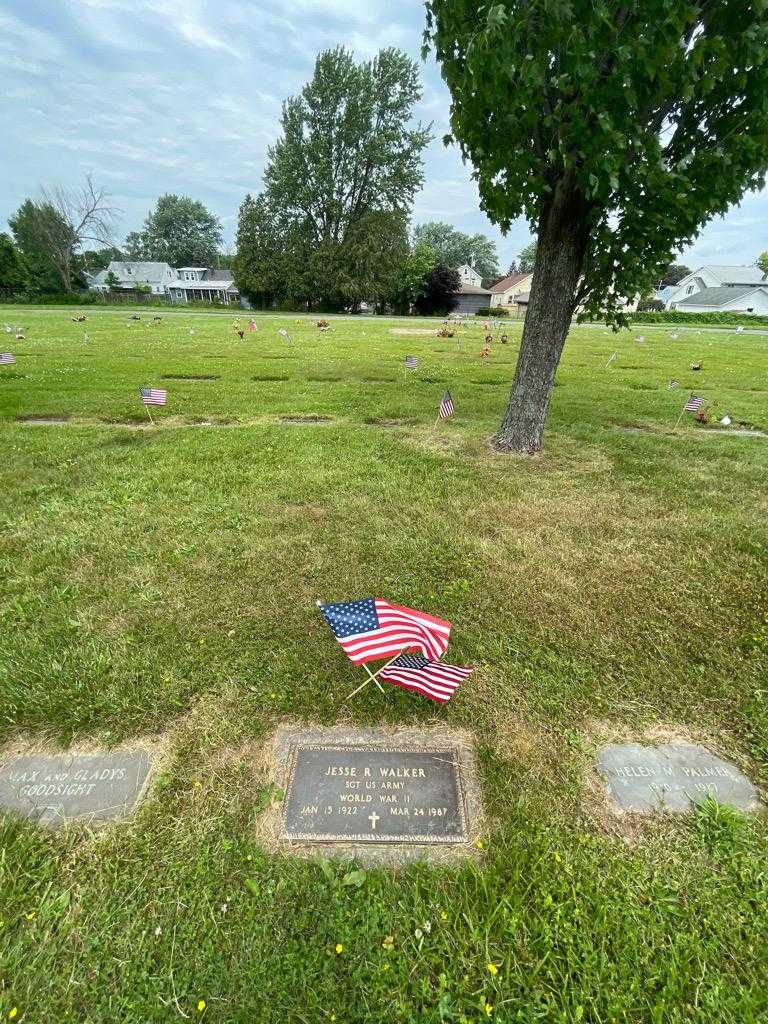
x=431, y=679
x=411, y=362
x=673, y=384
x=693, y=404
x=373, y=628
x=284, y=334
x=446, y=406
x=6, y=358
x=611, y=359
x=153, y=396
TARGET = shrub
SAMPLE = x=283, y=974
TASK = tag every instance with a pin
x=676, y=316
x=494, y=311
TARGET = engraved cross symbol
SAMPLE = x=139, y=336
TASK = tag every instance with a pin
x=373, y=818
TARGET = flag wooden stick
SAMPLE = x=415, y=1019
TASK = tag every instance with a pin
x=372, y=676
x=682, y=413
x=150, y=416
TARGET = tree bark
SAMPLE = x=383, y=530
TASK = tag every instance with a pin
x=562, y=243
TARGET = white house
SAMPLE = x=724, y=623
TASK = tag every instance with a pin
x=726, y=299
x=505, y=292
x=202, y=284
x=133, y=273
x=709, y=277
x=469, y=276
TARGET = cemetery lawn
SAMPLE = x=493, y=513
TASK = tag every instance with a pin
x=161, y=583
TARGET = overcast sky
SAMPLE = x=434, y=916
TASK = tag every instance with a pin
x=184, y=96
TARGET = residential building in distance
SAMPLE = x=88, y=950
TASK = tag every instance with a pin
x=470, y=298
x=135, y=274
x=203, y=284
x=187, y=284
x=505, y=291
x=716, y=287
x=468, y=275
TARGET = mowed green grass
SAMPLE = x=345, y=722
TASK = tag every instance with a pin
x=162, y=581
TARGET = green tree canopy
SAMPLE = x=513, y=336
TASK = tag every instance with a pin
x=762, y=262
x=94, y=260
x=338, y=186
x=41, y=268
x=526, y=259
x=439, y=293
x=455, y=248
x=13, y=272
x=674, y=273
x=179, y=231
x=617, y=129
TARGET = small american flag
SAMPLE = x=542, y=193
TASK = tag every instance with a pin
x=673, y=384
x=284, y=334
x=431, y=679
x=373, y=628
x=6, y=358
x=446, y=406
x=614, y=356
x=411, y=362
x=153, y=396
x=693, y=404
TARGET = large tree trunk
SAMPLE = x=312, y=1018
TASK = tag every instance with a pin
x=562, y=243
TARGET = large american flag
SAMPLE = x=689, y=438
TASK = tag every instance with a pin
x=373, y=628
x=693, y=404
x=431, y=679
x=6, y=358
x=446, y=406
x=153, y=396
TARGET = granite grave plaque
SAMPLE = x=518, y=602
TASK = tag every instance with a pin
x=672, y=777
x=56, y=788
x=365, y=794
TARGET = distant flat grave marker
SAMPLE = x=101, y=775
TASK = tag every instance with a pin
x=373, y=790
x=672, y=777
x=56, y=788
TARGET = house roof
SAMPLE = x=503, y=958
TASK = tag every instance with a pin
x=224, y=284
x=721, y=296
x=508, y=282
x=735, y=275
x=138, y=270
x=471, y=289
x=212, y=274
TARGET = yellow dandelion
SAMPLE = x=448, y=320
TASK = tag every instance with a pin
x=30, y=916
x=200, y=1005
x=201, y=641
x=443, y=916
x=14, y=1013
x=558, y=858
x=479, y=844
x=488, y=1009
x=492, y=969
x=339, y=948
x=385, y=967
x=389, y=942
x=249, y=857
x=272, y=696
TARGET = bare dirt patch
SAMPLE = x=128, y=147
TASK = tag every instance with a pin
x=191, y=376
x=40, y=420
x=391, y=423
x=420, y=331
x=306, y=419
